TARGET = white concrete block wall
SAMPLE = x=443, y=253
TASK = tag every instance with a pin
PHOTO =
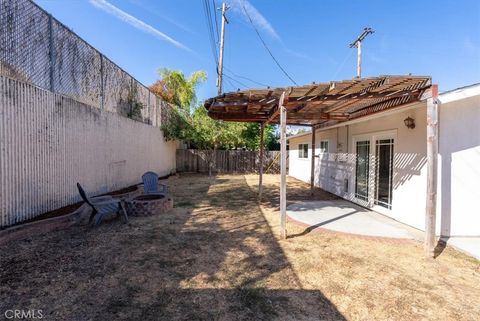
x=49, y=142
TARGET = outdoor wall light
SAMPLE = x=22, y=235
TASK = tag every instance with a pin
x=409, y=122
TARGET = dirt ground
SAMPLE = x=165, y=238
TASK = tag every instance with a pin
x=217, y=256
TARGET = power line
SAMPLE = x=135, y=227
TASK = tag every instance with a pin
x=213, y=42
x=211, y=34
x=215, y=15
x=246, y=78
x=230, y=83
x=237, y=81
x=265, y=45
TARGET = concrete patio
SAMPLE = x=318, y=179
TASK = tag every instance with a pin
x=346, y=217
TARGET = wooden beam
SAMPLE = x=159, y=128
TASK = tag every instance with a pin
x=230, y=104
x=273, y=115
x=276, y=110
x=283, y=168
x=381, y=106
x=359, y=95
x=312, y=168
x=432, y=163
x=316, y=116
x=308, y=98
x=260, y=168
x=308, y=92
x=428, y=92
x=340, y=104
x=238, y=117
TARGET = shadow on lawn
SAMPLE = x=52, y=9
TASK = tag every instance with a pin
x=213, y=258
x=296, y=191
x=313, y=227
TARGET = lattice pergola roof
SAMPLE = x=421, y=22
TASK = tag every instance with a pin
x=322, y=104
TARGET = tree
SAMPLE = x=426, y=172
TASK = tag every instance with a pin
x=189, y=122
x=251, y=137
x=178, y=90
x=209, y=135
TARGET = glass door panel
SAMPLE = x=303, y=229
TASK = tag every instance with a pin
x=362, y=165
x=384, y=172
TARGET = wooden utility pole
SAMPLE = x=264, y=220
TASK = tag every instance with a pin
x=359, y=59
x=432, y=169
x=283, y=167
x=358, y=44
x=260, y=169
x=312, y=170
x=220, y=59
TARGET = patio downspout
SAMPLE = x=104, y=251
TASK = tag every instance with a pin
x=432, y=169
x=312, y=169
x=260, y=168
x=283, y=167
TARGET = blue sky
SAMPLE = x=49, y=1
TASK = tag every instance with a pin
x=309, y=38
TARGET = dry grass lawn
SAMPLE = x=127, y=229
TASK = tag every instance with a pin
x=217, y=256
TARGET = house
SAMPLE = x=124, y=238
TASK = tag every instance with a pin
x=379, y=161
x=378, y=145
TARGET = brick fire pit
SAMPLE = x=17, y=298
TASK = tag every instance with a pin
x=148, y=204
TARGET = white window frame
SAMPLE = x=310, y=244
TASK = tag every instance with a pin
x=372, y=137
x=302, y=153
x=320, y=149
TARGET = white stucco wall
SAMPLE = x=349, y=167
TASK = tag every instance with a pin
x=409, y=181
x=459, y=163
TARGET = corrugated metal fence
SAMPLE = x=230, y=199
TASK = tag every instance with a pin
x=49, y=142
x=227, y=161
x=38, y=49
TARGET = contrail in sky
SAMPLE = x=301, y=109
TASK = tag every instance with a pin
x=136, y=23
x=258, y=19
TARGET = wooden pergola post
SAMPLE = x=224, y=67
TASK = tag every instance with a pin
x=432, y=165
x=260, y=169
x=312, y=170
x=283, y=166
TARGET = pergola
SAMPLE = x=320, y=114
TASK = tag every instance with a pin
x=327, y=104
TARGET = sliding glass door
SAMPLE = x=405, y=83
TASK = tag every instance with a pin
x=362, y=167
x=384, y=172
x=373, y=169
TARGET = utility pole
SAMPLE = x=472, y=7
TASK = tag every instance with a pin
x=220, y=59
x=358, y=44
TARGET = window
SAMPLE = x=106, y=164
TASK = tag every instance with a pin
x=302, y=150
x=324, y=146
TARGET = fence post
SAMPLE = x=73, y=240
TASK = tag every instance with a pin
x=197, y=167
x=52, y=52
x=432, y=169
x=312, y=165
x=260, y=166
x=283, y=166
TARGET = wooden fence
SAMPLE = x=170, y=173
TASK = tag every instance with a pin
x=227, y=161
